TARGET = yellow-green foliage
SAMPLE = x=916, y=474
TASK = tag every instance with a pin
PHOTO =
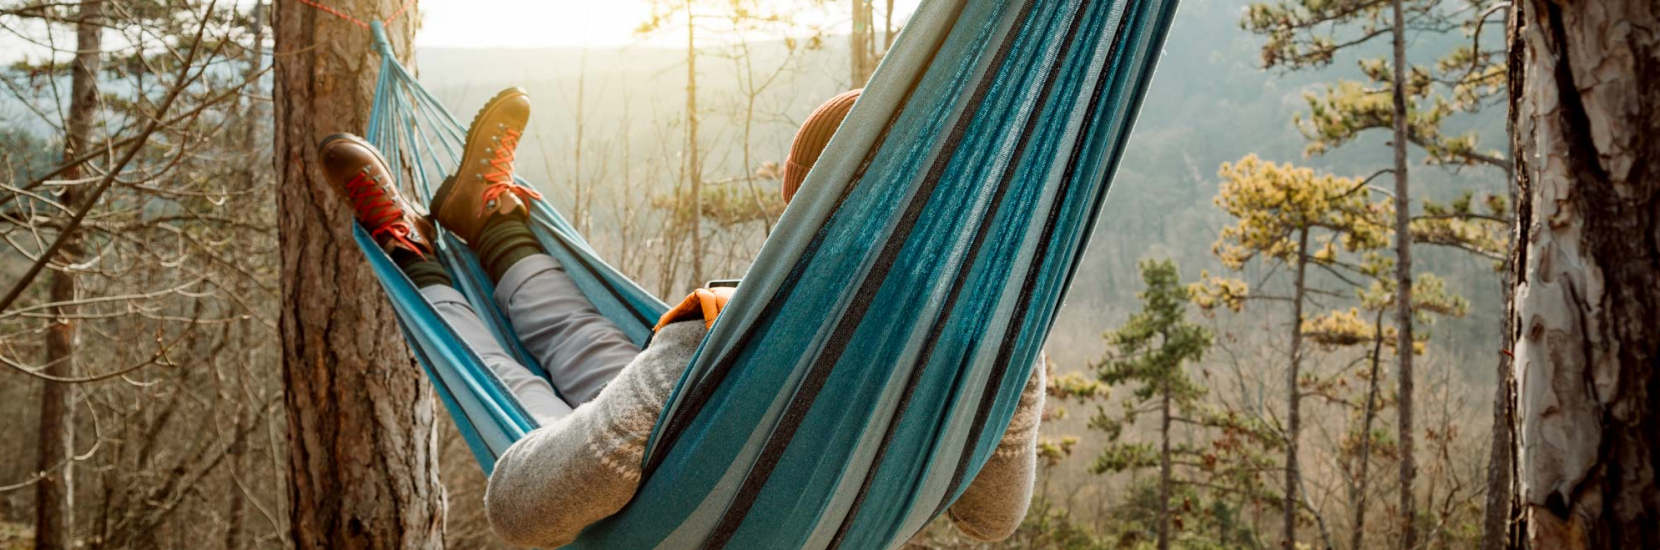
x=1335, y=329
x=1212, y=291
x=1483, y=231
x=1273, y=202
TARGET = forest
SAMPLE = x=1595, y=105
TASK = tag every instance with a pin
x=1367, y=273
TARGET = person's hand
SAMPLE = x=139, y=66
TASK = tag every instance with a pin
x=703, y=302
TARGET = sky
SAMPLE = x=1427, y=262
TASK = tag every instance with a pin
x=590, y=23
x=517, y=23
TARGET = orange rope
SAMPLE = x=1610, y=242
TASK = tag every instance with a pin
x=354, y=20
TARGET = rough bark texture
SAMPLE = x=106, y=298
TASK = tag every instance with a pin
x=1501, y=458
x=1585, y=107
x=362, y=439
x=55, y=492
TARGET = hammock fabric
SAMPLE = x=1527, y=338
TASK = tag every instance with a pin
x=875, y=351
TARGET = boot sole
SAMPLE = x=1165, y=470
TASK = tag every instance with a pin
x=472, y=130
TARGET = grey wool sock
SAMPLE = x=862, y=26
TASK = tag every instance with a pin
x=562, y=477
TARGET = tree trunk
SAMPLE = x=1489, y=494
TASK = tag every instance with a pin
x=887, y=29
x=1501, y=457
x=55, y=492
x=1294, y=421
x=1586, y=322
x=1403, y=288
x=1369, y=415
x=363, y=470
x=862, y=44
x=1164, y=467
x=694, y=172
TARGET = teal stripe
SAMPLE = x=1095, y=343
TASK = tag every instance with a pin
x=884, y=380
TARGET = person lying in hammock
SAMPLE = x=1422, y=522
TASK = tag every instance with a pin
x=584, y=462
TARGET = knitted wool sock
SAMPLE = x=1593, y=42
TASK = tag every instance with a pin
x=424, y=272
x=562, y=477
x=504, y=241
x=993, y=505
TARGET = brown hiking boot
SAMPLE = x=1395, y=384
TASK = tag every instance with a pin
x=358, y=173
x=483, y=185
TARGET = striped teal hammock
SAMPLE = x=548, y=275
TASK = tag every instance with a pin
x=877, y=347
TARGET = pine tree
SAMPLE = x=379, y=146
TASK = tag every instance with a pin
x=1298, y=219
x=1149, y=351
x=1409, y=102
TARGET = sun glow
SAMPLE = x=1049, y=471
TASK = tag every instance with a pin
x=596, y=24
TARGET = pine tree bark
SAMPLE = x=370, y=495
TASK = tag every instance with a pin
x=1501, y=452
x=1586, y=316
x=55, y=492
x=363, y=454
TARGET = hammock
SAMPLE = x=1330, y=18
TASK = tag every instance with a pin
x=875, y=351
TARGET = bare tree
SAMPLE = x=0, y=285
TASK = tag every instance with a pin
x=54, y=495
x=165, y=280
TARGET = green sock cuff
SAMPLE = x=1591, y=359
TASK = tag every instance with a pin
x=504, y=241
x=424, y=272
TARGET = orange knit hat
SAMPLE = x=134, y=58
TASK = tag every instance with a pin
x=812, y=137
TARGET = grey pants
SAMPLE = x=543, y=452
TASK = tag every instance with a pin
x=580, y=349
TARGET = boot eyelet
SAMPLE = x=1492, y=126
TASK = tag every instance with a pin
x=490, y=205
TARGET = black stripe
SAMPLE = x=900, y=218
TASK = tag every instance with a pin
x=703, y=390
x=957, y=286
x=820, y=371
x=1001, y=367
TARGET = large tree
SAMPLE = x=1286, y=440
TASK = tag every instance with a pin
x=362, y=446
x=55, y=493
x=1586, y=308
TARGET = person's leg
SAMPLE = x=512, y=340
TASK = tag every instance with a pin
x=580, y=349
x=362, y=177
x=533, y=392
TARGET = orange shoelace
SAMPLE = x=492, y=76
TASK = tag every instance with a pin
x=379, y=212
x=501, y=174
